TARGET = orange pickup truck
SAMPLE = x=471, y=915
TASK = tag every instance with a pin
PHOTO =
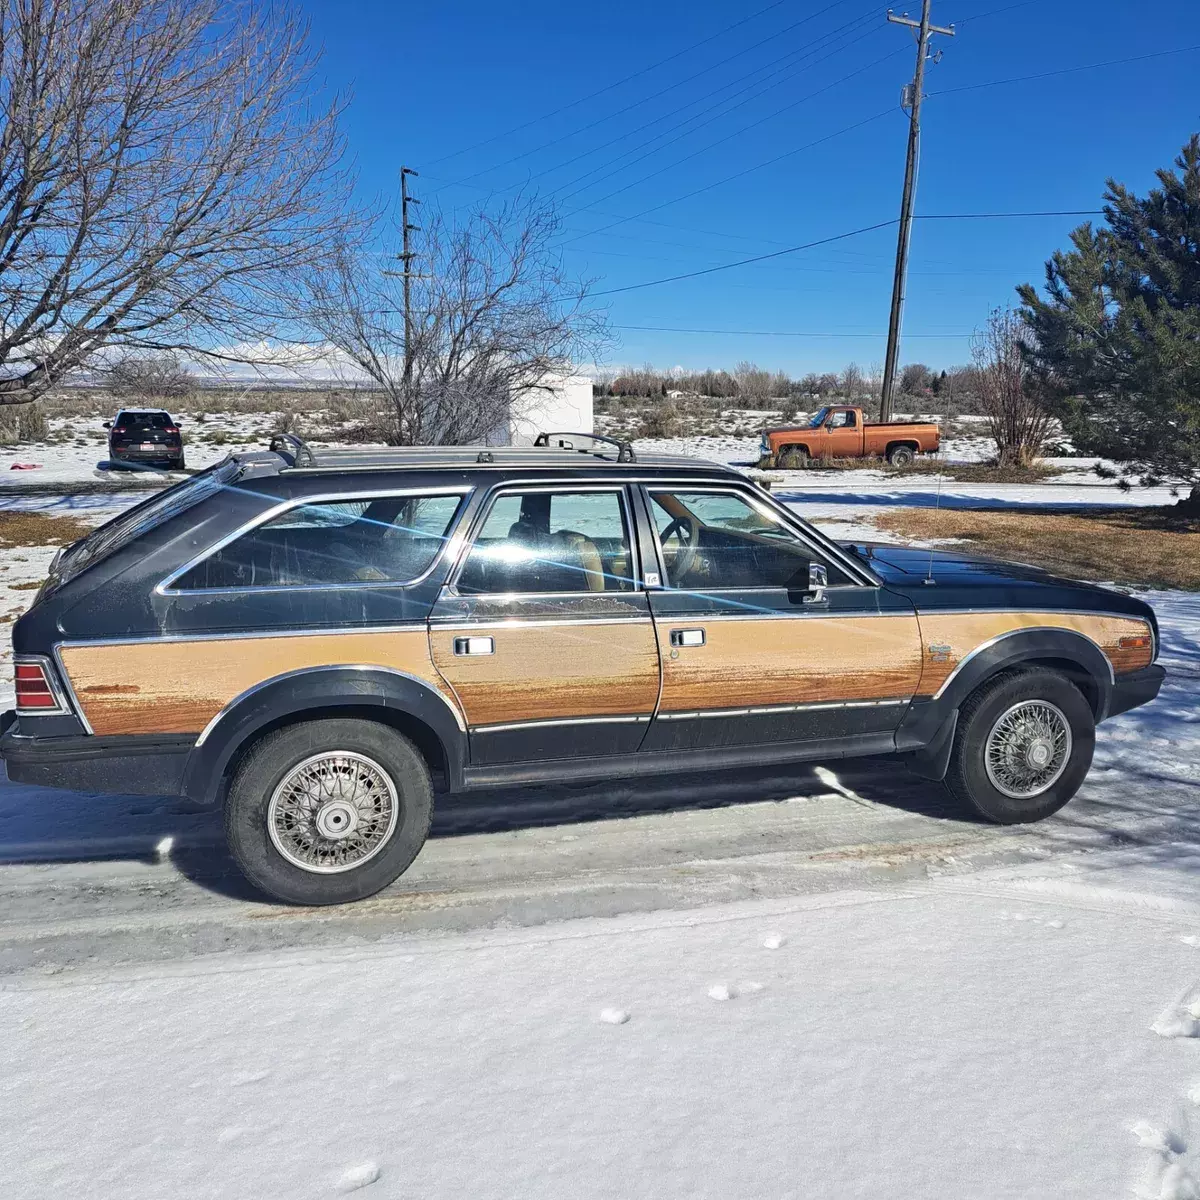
x=840, y=431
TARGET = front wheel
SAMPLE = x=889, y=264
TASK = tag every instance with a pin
x=1022, y=747
x=329, y=811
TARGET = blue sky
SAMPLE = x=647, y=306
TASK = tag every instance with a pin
x=431, y=81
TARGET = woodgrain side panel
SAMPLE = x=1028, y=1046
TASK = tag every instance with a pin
x=552, y=672
x=949, y=637
x=178, y=687
x=791, y=660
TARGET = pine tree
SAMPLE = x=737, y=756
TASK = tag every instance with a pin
x=1116, y=337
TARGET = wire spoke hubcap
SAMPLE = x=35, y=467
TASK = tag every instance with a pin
x=1028, y=749
x=332, y=812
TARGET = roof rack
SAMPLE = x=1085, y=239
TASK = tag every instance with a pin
x=295, y=452
x=566, y=441
x=292, y=447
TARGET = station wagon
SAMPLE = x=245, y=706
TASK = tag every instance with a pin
x=314, y=639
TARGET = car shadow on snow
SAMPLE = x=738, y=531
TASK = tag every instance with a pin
x=46, y=825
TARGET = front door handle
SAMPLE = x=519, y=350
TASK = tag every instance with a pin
x=474, y=645
x=687, y=637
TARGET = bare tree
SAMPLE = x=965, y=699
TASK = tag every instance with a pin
x=1017, y=418
x=495, y=319
x=754, y=384
x=852, y=382
x=154, y=377
x=162, y=178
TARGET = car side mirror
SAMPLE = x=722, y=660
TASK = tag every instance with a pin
x=107, y=424
x=828, y=426
x=818, y=581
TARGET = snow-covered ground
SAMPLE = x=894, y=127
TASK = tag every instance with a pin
x=989, y=1039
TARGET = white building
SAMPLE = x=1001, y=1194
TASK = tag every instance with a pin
x=563, y=406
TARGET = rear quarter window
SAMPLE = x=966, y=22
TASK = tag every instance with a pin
x=384, y=539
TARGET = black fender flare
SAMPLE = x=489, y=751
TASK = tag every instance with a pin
x=928, y=727
x=312, y=689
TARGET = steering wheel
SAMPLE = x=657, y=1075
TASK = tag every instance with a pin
x=687, y=531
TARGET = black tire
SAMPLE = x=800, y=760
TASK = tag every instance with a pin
x=968, y=779
x=264, y=768
x=793, y=458
x=901, y=456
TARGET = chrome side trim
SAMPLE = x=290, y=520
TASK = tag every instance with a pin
x=977, y=650
x=262, y=683
x=533, y=622
x=164, y=588
x=65, y=679
x=772, y=709
x=560, y=721
x=52, y=673
x=242, y=634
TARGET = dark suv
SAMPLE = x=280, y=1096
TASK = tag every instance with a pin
x=310, y=639
x=145, y=437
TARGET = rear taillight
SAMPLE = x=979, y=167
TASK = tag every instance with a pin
x=119, y=429
x=170, y=429
x=36, y=690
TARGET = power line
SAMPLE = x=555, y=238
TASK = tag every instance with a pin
x=887, y=112
x=782, y=332
x=743, y=129
x=798, y=57
x=1112, y=62
x=704, y=74
x=838, y=237
x=988, y=216
x=662, y=62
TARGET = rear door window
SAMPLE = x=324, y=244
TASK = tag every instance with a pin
x=380, y=539
x=544, y=541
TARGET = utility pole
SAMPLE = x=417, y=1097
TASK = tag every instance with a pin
x=407, y=256
x=910, y=99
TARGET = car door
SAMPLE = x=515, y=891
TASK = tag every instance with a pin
x=844, y=439
x=750, y=653
x=544, y=631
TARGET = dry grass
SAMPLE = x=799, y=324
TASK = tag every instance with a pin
x=37, y=529
x=1147, y=547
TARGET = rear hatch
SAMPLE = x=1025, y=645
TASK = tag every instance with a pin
x=149, y=433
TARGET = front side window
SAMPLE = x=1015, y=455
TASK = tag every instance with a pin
x=843, y=419
x=722, y=540
x=541, y=541
x=385, y=539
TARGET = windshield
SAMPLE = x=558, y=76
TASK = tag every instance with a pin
x=133, y=522
x=820, y=418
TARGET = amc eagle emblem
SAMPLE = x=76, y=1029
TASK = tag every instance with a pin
x=939, y=653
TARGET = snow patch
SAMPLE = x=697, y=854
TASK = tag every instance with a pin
x=361, y=1176
x=773, y=941
x=722, y=991
x=614, y=1016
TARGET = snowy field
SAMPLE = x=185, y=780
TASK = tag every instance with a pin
x=825, y=982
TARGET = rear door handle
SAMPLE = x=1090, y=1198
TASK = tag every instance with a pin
x=474, y=645
x=687, y=637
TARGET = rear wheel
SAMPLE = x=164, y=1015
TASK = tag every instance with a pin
x=328, y=811
x=1022, y=747
x=793, y=458
x=901, y=456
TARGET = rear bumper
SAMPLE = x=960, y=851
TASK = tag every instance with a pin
x=1138, y=687
x=132, y=765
